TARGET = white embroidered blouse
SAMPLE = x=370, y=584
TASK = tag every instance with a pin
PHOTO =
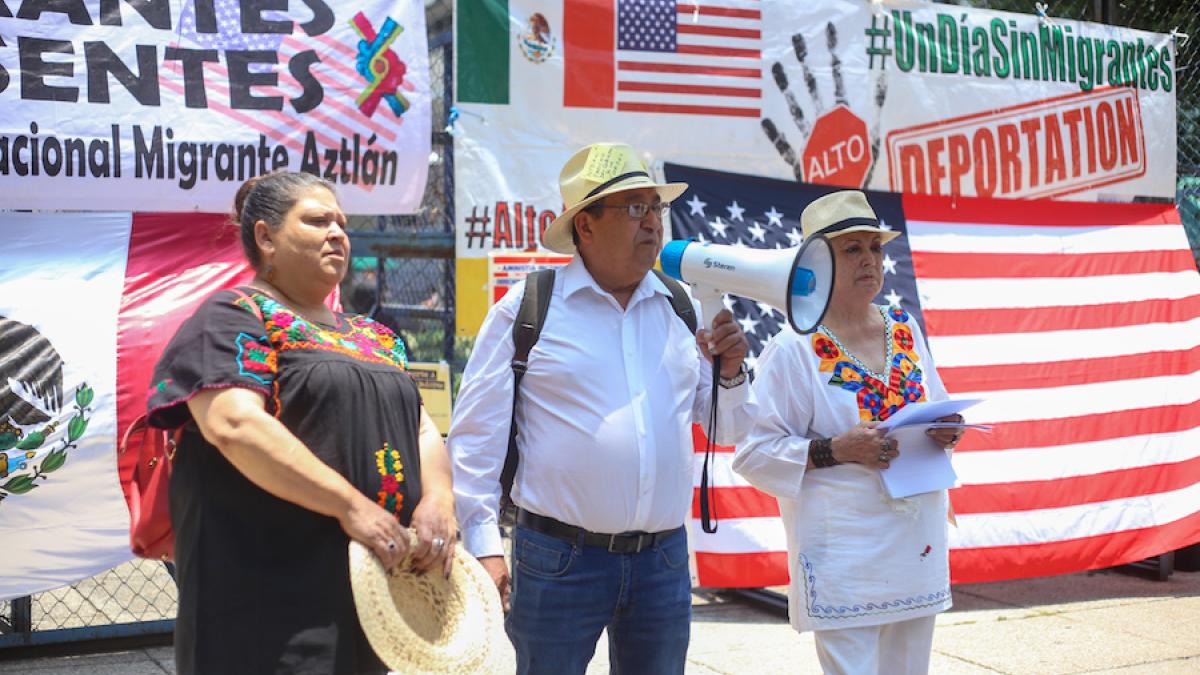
x=856, y=556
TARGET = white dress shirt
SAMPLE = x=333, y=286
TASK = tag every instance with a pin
x=604, y=415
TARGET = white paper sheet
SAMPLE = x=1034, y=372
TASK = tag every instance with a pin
x=925, y=412
x=922, y=466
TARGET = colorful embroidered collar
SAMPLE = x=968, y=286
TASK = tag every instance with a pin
x=876, y=400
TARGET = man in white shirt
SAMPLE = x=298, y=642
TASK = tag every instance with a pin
x=604, y=482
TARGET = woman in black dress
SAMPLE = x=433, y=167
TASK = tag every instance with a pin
x=302, y=431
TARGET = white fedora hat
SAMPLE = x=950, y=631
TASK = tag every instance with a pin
x=842, y=212
x=428, y=624
x=592, y=173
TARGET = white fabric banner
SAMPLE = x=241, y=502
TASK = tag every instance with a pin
x=62, y=514
x=896, y=96
x=169, y=106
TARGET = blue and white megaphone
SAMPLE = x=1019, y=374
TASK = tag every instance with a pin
x=797, y=281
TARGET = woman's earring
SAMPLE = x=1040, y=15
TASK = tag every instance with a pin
x=270, y=271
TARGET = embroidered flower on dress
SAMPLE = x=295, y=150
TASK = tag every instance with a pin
x=825, y=348
x=255, y=358
x=391, y=472
x=903, y=337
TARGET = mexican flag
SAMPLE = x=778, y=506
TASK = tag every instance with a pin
x=87, y=303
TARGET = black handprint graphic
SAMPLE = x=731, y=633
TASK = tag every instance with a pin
x=838, y=148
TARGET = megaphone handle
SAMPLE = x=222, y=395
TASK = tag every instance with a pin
x=712, y=301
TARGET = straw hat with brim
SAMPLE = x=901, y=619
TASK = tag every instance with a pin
x=839, y=213
x=430, y=624
x=593, y=173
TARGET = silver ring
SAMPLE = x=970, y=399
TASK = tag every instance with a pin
x=391, y=546
x=438, y=543
x=884, y=459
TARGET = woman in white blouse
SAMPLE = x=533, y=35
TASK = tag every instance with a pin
x=869, y=573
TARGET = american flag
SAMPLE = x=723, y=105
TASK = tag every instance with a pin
x=699, y=59
x=336, y=117
x=1079, y=326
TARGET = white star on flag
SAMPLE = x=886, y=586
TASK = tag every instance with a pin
x=774, y=217
x=748, y=325
x=718, y=226
x=893, y=298
x=767, y=309
x=884, y=226
x=735, y=211
x=794, y=237
x=757, y=232
x=750, y=361
x=889, y=265
x=696, y=205
x=728, y=302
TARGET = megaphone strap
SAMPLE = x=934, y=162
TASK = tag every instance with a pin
x=613, y=181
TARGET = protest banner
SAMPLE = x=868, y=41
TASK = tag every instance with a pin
x=899, y=96
x=169, y=105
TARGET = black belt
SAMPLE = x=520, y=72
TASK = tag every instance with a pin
x=626, y=542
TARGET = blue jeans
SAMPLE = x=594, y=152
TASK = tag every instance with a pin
x=565, y=594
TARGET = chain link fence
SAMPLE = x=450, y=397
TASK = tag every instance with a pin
x=406, y=282
x=1183, y=18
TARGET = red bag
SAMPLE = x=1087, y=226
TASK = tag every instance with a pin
x=150, y=533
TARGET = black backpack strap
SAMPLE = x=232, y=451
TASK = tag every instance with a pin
x=680, y=301
x=527, y=328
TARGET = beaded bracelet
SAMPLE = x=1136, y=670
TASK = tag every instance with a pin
x=820, y=451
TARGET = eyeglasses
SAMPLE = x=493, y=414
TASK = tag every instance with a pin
x=639, y=210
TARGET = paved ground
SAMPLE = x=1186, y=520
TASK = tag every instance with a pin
x=1101, y=622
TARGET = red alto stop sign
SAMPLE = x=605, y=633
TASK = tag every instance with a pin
x=838, y=152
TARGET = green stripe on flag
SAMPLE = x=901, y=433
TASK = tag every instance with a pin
x=482, y=55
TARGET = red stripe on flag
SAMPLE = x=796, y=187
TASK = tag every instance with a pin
x=700, y=441
x=1062, y=492
x=1031, y=265
x=1040, y=212
x=688, y=109
x=948, y=322
x=1003, y=377
x=705, y=10
x=642, y=66
x=164, y=282
x=742, y=570
x=719, y=51
x=1085, y=428
x=589, y=38
x=689, y=89
x=722, y=31
x=998, y=563
x=738, y=502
